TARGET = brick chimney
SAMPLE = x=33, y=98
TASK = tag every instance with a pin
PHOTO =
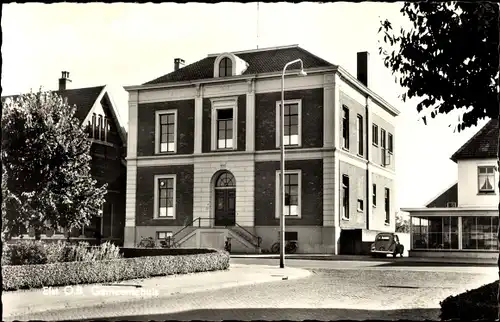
x=63, y=80
x=177, y=63
x=362, y=66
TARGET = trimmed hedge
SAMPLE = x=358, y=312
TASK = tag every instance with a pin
x=477, y=304
x=72, y=273
x=139, y=252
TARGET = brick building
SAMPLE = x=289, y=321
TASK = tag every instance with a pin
x=98, y=113
x=203, y=154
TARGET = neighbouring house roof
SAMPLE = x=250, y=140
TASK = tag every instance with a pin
x=84, y=99
x=442, y=199
x=484, y=144
x=259, y=61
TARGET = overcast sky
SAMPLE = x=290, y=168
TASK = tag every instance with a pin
x=129, y=44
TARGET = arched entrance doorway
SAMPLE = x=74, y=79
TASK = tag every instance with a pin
x=225, y=199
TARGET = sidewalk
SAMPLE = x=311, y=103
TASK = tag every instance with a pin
x=19, y=303
x=472, y=261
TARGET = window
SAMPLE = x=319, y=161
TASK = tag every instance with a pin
x=100, y=133
x=224, y=124
x=387, y=206
x=360, y=134
x=479, y=232
x=390, y=141
x=383, y=147
x=98, y=127
x=166, y=131
x=293, y=183
x=225, y=67
x=375, y=134
x=292, y=124
x=360, y=205
x=225, y=129
x=374, y=195
x=345, y=197
x=345, y=127
x=165, y=194
x=163, y=234
x=105, y=129
x=486, y=178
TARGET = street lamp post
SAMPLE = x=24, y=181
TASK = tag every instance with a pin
x=282, y=147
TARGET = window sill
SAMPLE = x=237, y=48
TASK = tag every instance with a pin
x=374, y=206
x=164, y=218
x=375, y=145
x=345, y=218
x=360, y=210
x=387, y=223
x=361, y=156
x=166, y=153
x=224, y=150
x=345, y=149
x=487, y=193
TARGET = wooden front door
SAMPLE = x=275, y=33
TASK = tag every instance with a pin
x=225, y=207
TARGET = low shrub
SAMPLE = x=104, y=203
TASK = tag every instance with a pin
x=71, y=273
x=27, y=253
x=476, y=304
x=37, y=252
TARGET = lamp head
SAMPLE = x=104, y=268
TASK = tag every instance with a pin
x=302, y=73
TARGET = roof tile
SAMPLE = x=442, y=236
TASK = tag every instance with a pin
x=265, y=61
x=484, y=144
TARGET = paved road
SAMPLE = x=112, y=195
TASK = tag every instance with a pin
x=335, y=290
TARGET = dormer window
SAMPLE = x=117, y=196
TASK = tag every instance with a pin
x=225, y=67
x=228, y=64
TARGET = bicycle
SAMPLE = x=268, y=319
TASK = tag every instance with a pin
x=290, y=247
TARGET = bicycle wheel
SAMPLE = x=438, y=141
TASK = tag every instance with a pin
x=292, y=248
x=275, y=248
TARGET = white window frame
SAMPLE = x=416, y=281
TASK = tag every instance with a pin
x=494, y=178
x=158, y=132
x=374, y=195
x=345, y=142
x=278, y=121
x=218, y=60
x=389, y=148
x=387, y=191
x=223, y=103
x=157, y=196
x=348, y=210
x=360, y=209
x=360, y=138
x=375, y=135
x=278, y=189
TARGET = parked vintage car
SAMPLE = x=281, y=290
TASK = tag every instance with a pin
x=387, y=243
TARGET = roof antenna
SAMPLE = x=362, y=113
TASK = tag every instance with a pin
x=257, y=25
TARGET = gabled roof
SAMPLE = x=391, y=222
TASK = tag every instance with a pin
x=442, y=199
x=259, y=61
x=83, y=98
x=483, y=144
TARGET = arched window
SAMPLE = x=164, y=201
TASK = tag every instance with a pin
x=225, y=67
x=225, y=180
